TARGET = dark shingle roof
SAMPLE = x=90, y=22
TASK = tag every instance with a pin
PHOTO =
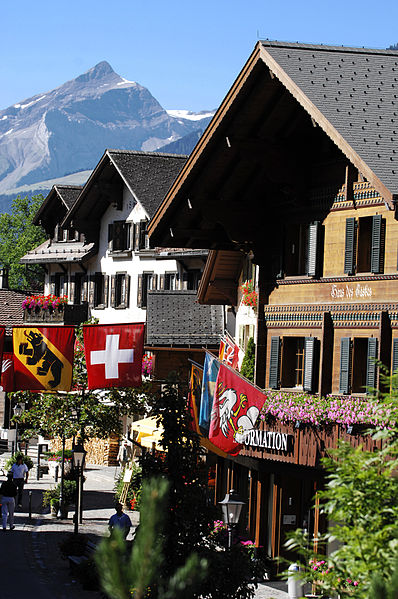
x=69, y=193
x=149, y=175
x=11, y=312
x=191, y=325
x=356, y=90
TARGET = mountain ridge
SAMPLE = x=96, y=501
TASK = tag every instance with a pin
x=68, y=128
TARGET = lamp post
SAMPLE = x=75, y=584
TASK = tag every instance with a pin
x=231, y=509
x=78, y=457
x=61, y=511
x=17, y=413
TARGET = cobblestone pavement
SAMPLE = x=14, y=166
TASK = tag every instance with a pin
x=32, y=549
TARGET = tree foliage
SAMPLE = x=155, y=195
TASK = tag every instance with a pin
x=17, y=236
x=136, y=575
x=361, y=502
x=189, y=520
x=247, y=368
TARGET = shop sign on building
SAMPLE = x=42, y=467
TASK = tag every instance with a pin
x=268, y=440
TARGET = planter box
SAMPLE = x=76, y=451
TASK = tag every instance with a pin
x=37, y=315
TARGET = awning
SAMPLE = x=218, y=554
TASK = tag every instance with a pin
x=148, y=432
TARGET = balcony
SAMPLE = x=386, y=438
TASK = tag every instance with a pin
x=68, y=314
x=174, y=318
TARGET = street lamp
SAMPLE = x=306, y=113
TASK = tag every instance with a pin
x=231, y=509
x=18, y=409
x=78, y=457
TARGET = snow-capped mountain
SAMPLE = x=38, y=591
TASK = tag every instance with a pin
x=67, y=129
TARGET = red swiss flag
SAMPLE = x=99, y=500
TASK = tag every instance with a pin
x=114, y=354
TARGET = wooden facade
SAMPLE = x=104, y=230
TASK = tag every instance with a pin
x=298, y=170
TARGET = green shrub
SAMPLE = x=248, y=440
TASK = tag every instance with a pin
x=53, y=493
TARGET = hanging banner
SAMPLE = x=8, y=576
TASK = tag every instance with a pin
x=43, y=358
x=114, y=355
x=210, y=372
x=236, y=408
x=194, y=396
x=7, y=373
x=228, y=352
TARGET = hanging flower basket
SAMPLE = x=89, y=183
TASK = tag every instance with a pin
x=249, y=295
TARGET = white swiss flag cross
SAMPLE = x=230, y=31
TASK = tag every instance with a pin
x=114, y=355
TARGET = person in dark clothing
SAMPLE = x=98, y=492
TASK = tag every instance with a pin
x=8, y=492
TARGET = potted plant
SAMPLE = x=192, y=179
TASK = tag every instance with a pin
x=51, y=497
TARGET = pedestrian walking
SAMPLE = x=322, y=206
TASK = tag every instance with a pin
x=20, y=473
x=8, y=492
x=120, y=520
x=124, y=455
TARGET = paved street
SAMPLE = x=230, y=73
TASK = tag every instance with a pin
x=32, y=565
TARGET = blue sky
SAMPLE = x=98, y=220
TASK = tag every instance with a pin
x=187, y=54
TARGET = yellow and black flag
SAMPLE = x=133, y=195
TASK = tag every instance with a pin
x=43, y=358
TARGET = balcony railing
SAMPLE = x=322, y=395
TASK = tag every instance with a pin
x=68, y=314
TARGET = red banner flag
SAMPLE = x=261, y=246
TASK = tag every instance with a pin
x=236, y=408
x=229, y=352
x=7, y=373
x=43, y=358
x=114, y=355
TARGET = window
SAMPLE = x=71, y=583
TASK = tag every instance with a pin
x=302, y=249
x=294, y=363
x=245, y=332
x=59, y=284
x=191, y=279
x=364, y=244
x=146, y=282
x=120, y=290
x=170, y=281
x=77, y=282
x=358, y=370
x=98, y=290
x=119, y=236
x=141, y=240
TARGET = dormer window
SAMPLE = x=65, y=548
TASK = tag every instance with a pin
x=69, y=234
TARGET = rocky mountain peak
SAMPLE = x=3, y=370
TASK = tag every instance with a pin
x=100, y=71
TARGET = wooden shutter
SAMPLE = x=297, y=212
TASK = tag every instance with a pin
x=161, y=282
x=131, y=245
x=119, y=235
x=127, y=298
x=105, y=290
x=349, y=255
x=143, y=224
x=185, y=278
x=91, y=291
x=136, y=237
x=139, y=291
x=314, y=234
x=376, y=253
x=110, y=237
x=52, y=285
x=154, y=282
x=371, y=367
x=309, y=363
x=394, y=365
x=274, y=362
x=72, y=289
x=345, y=359
x=113, y=291
x=84, y=288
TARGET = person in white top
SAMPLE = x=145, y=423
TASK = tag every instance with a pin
x=20, y=473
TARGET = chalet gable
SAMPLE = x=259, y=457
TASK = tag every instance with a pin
x=56, y=205
x=299, y=120
x=146, y=176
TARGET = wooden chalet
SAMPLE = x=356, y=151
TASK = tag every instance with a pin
x=299, y=171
